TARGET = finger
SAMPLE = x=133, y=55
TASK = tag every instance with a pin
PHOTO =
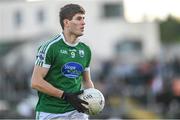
x=83, y=102
x=79, y=109
x=83, y=108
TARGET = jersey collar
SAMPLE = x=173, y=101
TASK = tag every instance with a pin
x=69, y=44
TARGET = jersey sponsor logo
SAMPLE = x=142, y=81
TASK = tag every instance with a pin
x=72, y=69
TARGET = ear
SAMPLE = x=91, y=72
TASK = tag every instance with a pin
x=66, y=22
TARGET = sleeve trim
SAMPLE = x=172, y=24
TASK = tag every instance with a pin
x=46, y=66
x=87, y=69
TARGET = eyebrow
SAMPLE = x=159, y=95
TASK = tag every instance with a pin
x=80, y=17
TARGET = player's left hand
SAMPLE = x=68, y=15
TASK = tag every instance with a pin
x=75, y=101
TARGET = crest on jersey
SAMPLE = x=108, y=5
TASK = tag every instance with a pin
x=72, y=69
x=41, y=55
x=81, y=53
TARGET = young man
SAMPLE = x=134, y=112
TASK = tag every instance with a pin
x=61, y=66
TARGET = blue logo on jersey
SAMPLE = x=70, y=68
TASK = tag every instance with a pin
x=72, y=69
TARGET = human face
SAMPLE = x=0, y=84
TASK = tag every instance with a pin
x=76, y=25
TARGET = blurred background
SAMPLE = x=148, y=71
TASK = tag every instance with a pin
x=135, y=62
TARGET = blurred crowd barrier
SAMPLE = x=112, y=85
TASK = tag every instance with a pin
x=149, y=89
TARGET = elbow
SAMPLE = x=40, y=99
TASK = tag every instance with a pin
x=33, y=85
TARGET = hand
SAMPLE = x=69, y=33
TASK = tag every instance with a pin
x=75, y=101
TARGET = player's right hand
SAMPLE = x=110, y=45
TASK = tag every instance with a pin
x=75, y=101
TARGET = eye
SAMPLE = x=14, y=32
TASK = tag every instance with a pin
x=80, y=18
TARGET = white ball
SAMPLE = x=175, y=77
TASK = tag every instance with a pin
x=95, y=99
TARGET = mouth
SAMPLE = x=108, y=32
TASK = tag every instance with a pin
x=82, y=28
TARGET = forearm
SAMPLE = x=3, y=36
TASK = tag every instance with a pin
x=89, y=84
x=87, y=79
x=47, y=88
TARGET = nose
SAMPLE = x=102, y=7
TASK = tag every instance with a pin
x=83, y=22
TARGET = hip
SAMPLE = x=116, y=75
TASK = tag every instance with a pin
x=64, y=116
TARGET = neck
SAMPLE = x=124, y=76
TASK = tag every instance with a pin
x=70, y=38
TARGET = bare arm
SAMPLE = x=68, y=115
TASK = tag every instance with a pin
x=38, y=82
x=87, y=79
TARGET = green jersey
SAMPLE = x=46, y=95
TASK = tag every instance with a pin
x=66, y=63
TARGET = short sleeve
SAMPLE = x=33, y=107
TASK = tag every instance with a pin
x=87, y=67
x=44, y=56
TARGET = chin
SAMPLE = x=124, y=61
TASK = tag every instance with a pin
x=80, y=34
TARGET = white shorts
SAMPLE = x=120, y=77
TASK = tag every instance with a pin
x=75, y=115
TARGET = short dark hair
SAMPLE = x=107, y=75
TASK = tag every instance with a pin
x=68, y=11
